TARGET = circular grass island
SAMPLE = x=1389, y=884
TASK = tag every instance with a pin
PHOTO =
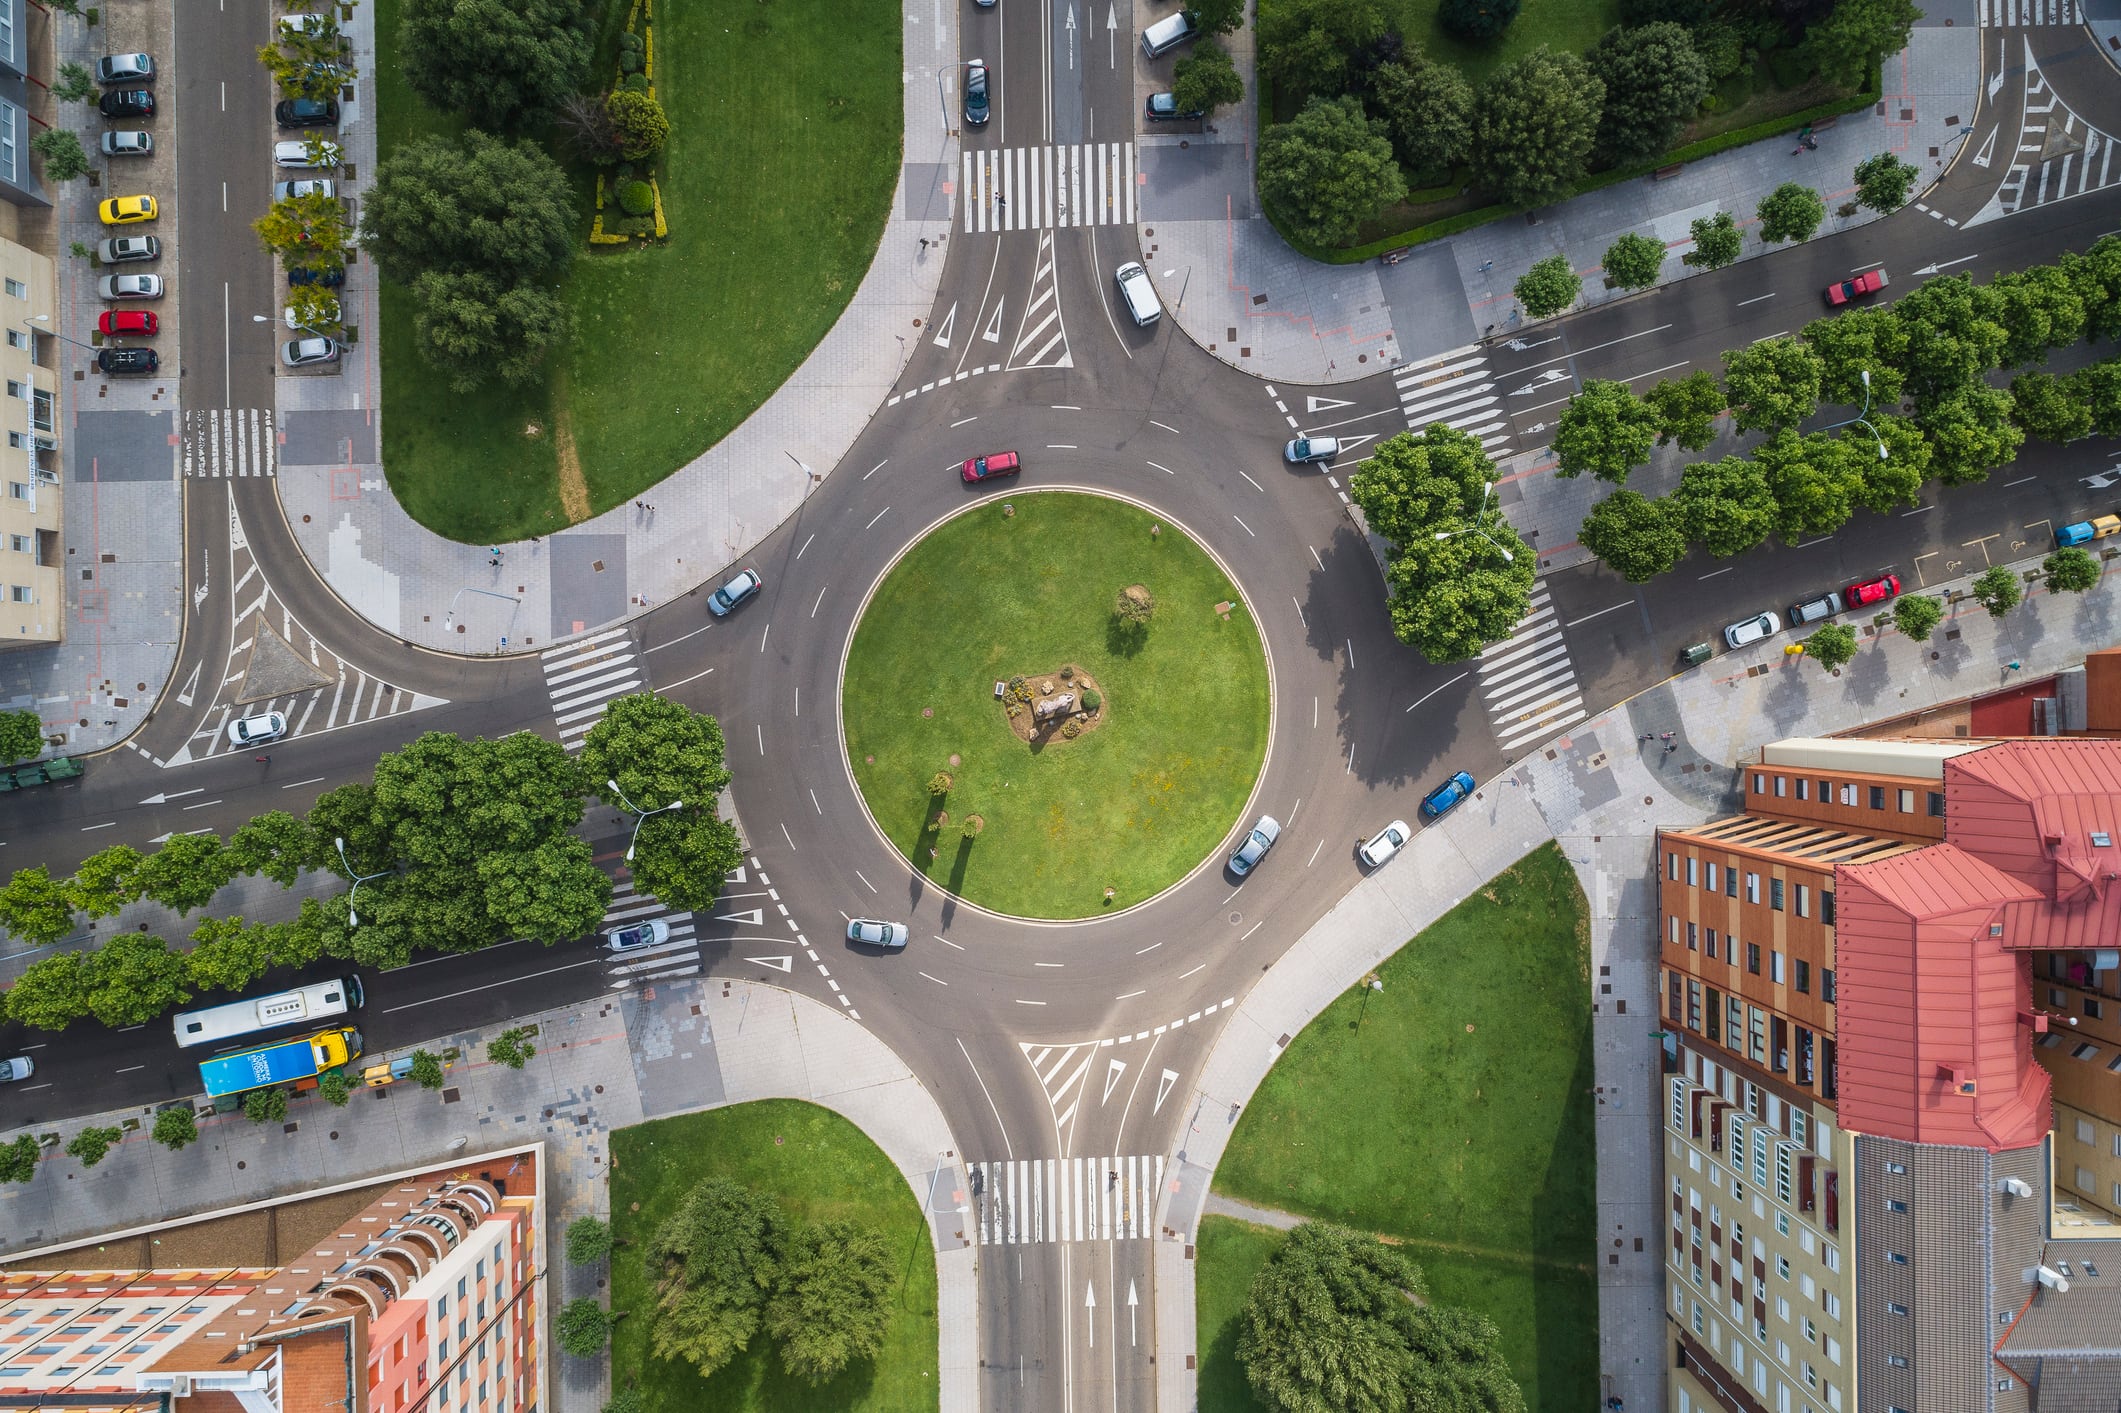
x=1080, y=746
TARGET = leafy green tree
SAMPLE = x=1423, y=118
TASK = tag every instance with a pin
x=1917, y=615
x=427, y=1069
x=1883, y=182
x=686, y=856
x=1477, y=21
x=648, y=752
x=2039, y=310
x=106, y=881
x=1411, y=484
x=582, y=1328
x=589, y=1241
x=1328, y=171
x=266, y=1106
x=1954, y=337
x=512, y=1047
x=1850, y=40
x=1634, y=261
x=639, y=123
x=473, y=328
x=1726, y=505
x=2098, y=387
x=64, y=157
x=1304, y=45
x=90, y=1144
x=1687, y=409
x=21, y=736
x=1773, y=383
x=1815, y=481
x=1869, y=340
x=51, y=994
x=1791, y=211
x=2049, y=407
x=2069, y=571
x=1549, y=287
x=1996, y=589
x=1893, y=481
x=75, y=83
x=713, y=1263
x=1451, y=598
x=2096, y=277
x=1534, y=122
x=469, y=203
x=1218, y=16
x=37, y=908
x=1654, y=81
x=310, y=230
x=335, y=1088
x=1717, y=241
x=277, y=845
x=18, y=1160
x=309, y=62
x=552, y=893
x=1832, y=645
x=1637, y=538
x=1206, y=79
x=176, y=1128
x=1971, y=434
x=831, y=1306
x=503, y=66
x=1605, y=430
x=1428, y=107
x=134, y=978
x=185, y=872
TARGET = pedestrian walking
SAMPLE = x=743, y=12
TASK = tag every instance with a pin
x=495, y=561
x=924, y=245
x=263, y=760
x=1664, y=735
x=638, y=506
x=1487, y=266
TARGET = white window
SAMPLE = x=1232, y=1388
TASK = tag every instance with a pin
x=1714, y=882
x=1907, y=802
x=1782, y=1269
x=1693, y=872
x=1833, y=1263
x=1671, y=867
x=1782, y=1307
x=1804, y=1239
x=1804, y=900
x=1782, y=1223
x=1752, y=887
x=2085, y=1132
x=1811, y=1288
x=1775, y=967
x=1848, y=794
x=18, y=289
x=1833, y=1397
x=1782, y=786
x=1831, y=1303
x=1782, y=1396
x=21, y=544
x=1803, y=788
x=1782, y=1352
x=21, y=593
x=1833, y=1349
x=2086, y=1183
x=1811, y=1377
x=18, y=338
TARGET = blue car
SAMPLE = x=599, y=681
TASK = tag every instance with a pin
x=742, y=587
x=1439, y=803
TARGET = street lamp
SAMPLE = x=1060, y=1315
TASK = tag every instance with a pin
x=640, y=815
x=1478, y=516
x=1862, y=419
x=267, y=319
x=353, y=919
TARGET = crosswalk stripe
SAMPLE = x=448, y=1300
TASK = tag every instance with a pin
x=228, y=441
x=1048, y=187
x=582, y=678
x=2027, y=13
x=1454, y=388
x=1527, y=682
x=1028, y=1201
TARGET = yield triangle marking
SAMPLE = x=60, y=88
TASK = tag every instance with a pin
x=1119, y=1067
x=777, y=963
x=191, y=685
x=756, y=917
x=1163, y=1088
x=1350, y=443
x=1325, y=404
x=993, y=332
x=1988, y=148
x=942, y=330
x=163, y=838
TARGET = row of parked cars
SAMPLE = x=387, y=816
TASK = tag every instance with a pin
x=1816, y=609
x=307, y=154
x=126, y=96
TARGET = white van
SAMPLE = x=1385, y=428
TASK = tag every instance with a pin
x=1138, y=294
x=1168, y=33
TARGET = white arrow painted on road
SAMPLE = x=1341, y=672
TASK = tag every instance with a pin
x=191, y=685
x=1520, y=345
x=1325, y=404
x=777, y=963
x=1119, y=1067
x=1132, y=1301
x=1071, y=38
x=1550, y=377
x=1947, y=264
x=1111, y=41
x=756, y=917
x=162, y=838
x=993, y=332
x=1090, y=1303
x=942, y=330
x=2102, y=480
x=172, y=795
x=1163, y=1088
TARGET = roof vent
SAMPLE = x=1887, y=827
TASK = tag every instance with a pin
x=2016, y=1187
x=1995, y=929
x=2101, y=839
x=2054, y=1280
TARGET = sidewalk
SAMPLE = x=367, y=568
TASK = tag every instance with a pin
x=1602, y=794
x=605, y=1064
x=412, y=583
x=1259, y=306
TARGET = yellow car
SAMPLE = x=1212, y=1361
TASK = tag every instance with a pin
x=125, y=210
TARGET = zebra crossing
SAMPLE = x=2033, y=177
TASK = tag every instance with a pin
x=582, y=676
x=661, y=961
x=2059, y=154
x=1037, y=188
x=1030, y=1200
x=229, y=441
x=1527, y=681
x=1456, y=389
x=1998, y=14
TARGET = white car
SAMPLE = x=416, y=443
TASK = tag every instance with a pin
x=1305, y=449
x=307, y=186
x=18, y=1068
x=128, y=143
x=301, y=353
x=296, y=153
x=872, y=933
x=256, y=730
x=130, y=287
x=325, y=313
x=304, y=24
x=1751, y=630
x=1378, y=850
x=641, y=934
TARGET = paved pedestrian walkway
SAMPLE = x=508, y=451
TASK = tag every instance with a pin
x=1601, y=791
x=600, y=1065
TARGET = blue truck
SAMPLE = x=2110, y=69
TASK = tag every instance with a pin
x=282, y=1062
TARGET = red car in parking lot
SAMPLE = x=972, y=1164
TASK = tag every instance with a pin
x=986, y=468
x=1871, y=591
x=1869, y=282
x=127, y=321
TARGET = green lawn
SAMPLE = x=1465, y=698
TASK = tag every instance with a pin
x=1564, y=26
x=784, y=151
x=820, y=1166
x=1131, y=805
x=1230, y=1254
x=1457, y=1119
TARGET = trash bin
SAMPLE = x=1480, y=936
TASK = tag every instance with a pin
x=1697, y=655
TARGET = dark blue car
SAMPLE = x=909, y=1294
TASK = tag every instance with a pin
x=1439, y=802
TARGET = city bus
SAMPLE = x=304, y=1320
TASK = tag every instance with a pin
x=247, y=1017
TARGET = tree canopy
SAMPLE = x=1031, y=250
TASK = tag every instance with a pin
x=1328, y=170
x=503, y=64
x=1206, y=79
x=1687, y=409
x=1633, y=261
x=1549, y=287
x=1534, y=123
x=1717, y=241
x=1429, y=109
x=473, y=203
x=1637, y=538
x=1772, y=383
x=1791, y=211
x=1605, y=430
x=1654, y=81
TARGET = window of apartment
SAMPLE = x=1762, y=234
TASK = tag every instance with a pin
x=1893, y=1307
x=1848, y=793
x=1907, y=802
x=21, y=593
x=2091, y=1008
x=1712, y=872
x=18, y=289
x=1671, y=867
x=1672, y=995
x=1782, y=1307
x=1693, y=937
x=1760, y=1166
x=1693, y=1005
x=1896, y=1258
x=1826, y=906
x=1804, y=977
x=1894, y=1204
x=21, y=544
x=2117, y=1145
x=1782, y=1191
x=1752, y=958
x=1804, y=900
x=2055, y=996
x=1730, y=880
x=18, y=338
x=1832, y=1254
x=1693, y=872
x=2086, y=1051
x=1936, y=804
x=1826, y=980
x=1831, y=1303
x=1898, y=1361
x=1708, y=941
x=1734, y=1029
x=1811, y=1377
x=1675, y=929
x=1775, y=894
x=1759, y=783
x=1804, y=791
x=1775, y=967
x=1782, y=786
x=1800, y=1130
x=2086, y=1132
x=1877, y=797
x=2086, y=1183
x=1714, y=1032
x=1782, y=1351
x=15, y=389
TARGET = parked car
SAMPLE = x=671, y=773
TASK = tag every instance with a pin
x=127, y=103
x=306, y=112
x=125, y=68
x=992, y=465
x=1438, y=802
x=2096, y=528
x=1168, y=33
x=302, y=353
x=256, y=730
x=872, y=933
x=327, y=313
x=1305, y=449
x=115, y=250
x=1378, y=849
x=299, y=152
x=329, y=279
x=116, y=323
x=1814, y=610
x=1256, y=845
x=305, y=24
x=976, y=92
x=122, y=362
x=1163, y=108
x=130, y=287
x=127, y=142
x=307, y=186
x=1867, y=283
x=1752, y=630
x=641, y=934
x=126, y=210
x=743, y=586
x=19, y=1067
x=1871, y=591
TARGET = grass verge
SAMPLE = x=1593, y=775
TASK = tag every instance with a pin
x=1131, y=805
x=1439, y=1123
x=819, y=1166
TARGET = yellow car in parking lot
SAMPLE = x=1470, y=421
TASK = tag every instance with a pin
x=125, y=210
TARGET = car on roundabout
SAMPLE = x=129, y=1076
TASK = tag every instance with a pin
x=1379, y=849
x=1439, y=802
x=991, y=466
x=1262, y=838
x=746, y=583
x=873, y=932
x=1308, y=449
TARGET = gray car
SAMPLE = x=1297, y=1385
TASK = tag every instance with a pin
x=871, y=932
x=18, y=1068
x=125, y=68
x=301, y=353
x=1256, y=845
x=976, y=92
x=1312, y=449
x=118, y=249
x=1814, y=610
x=306, y=186
x=130, y=287
x=743, y=586
x=127, y=143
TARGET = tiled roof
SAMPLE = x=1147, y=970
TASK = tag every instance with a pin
x=2037, y=810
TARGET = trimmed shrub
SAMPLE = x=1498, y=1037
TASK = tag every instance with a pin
x=636, y=198
x=634, y=83
x=631, y=61
x=265, y=1106
x=1092, y=701
x=1070, y=729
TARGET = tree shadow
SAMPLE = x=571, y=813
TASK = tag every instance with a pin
x=1868, y=674
x=956, y=886
x=1565, y=1250
x=1124, y=637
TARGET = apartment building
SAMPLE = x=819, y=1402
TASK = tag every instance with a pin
x=32, y=594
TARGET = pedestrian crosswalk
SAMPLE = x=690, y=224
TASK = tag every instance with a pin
x=1999, y=13
x=1034, y=188
x=1456, y=389
x=229, y=441
x=582, y=676
x=660, y=961
x=1027, y=1200
x=2059, y=154
x=1527, y=681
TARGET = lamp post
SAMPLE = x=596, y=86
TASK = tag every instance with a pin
x=1478, y=516
x=640, y=815
x=267, y=319
x=353, y=919
x=1862, y=419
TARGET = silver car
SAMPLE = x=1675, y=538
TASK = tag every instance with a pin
x=872, y=933
x=130, y=287
x=129, y=143
x=742, y=587
x=1312, y=449
x=1380, y=847
x=1815, y=610
x=641, y=934
x=297, y=153
x=118, y=249
x=1256, y=845
x=18, y=1068
x=125, y=68
x=1748, y=631
x=301, y=353
x=307, y=186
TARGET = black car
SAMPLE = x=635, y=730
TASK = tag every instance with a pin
x=306, y=112
x=127, y=360
x=329, y=279
x=1163, y=108
x=127, y=103
x=976, y=92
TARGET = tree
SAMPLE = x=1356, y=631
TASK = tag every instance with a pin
x=309, y=62
x=656, y=752
x=1304, y=44
x=1831, y=645
x=941, y=782
x=18, y=1160
x=585, y=129
x=1549, y=287
x=1687, y=408
x=1605, y=430
x=185, y=872
x=1654, y=81
x=105, y=881
x=1883, y=182
x=21, y=736
x=276, y=844
x=1429, y=109
x=35, y=907
x=1412, y=483
x=90, y=1144
x=1814, y=479
x=1917, y=615
x=2039, y=310
x=2096, y=277
x=1206, y=79
x=2099, y=389
x=583, y=1327
x=639, y=122
x=1534, y=123
x=1328, y=171
x=473, y=327
x=1971, y=434
x=266, y=1106
x=1791, y=211
x=134, y=978
x=2069, y=571
x=1217, y=17
x=503, y=66
x=1869, y=340
x=75, y=83
x=512, y=1047
x=1893, y=481
x=1451, y=598
x=1773, y=383
x=1726, y=505
x=713, y=1263
x=830, y=1308
x=227, y=955
x=1855, y=36
x=1634, y=261
x=308, y=230
x=1637, y=538
x=64, y=157
x=1717, y=241
x=334, y=1088
x=1996, y=589
x=176, y=1128
x=588, y=1241
x=2049, y=408
x=316, y=307
x=470, y=203
x=427, y=1069
x=686, y=856
x=1953, y=337
x=50, y=994
x=1477, y=21
x=1134, y=604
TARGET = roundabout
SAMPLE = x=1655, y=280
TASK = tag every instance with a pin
x=1055, y=706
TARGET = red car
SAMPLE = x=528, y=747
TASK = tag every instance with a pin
x=1869, y=282
x=127, y=321
x=986, y=468
x=1871, y=591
